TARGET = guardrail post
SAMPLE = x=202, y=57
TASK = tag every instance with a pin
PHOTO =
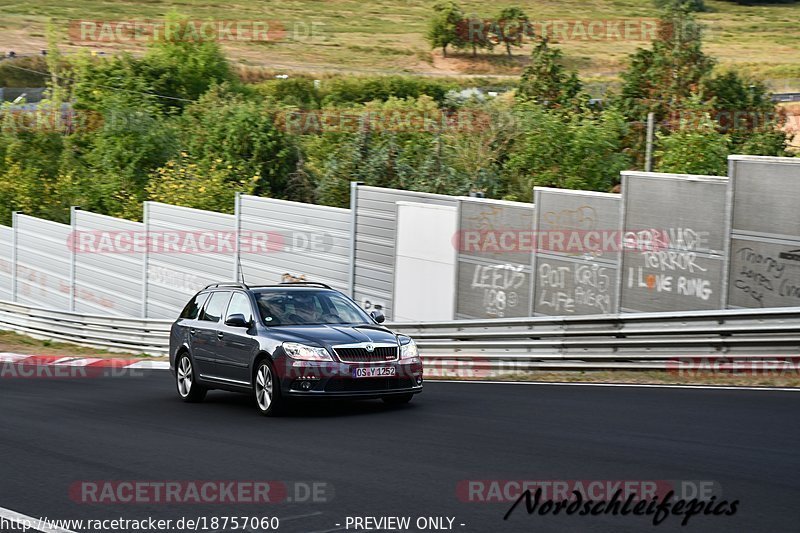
x=146, y=257
x=14, y=226
x=237, y=257
x=353, y=206
x=728, y=235
x=72, y=256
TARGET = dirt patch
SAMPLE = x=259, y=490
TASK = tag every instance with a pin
x=14, y=343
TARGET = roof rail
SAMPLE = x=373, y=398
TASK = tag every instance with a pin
x=312, y=283
x=227, y=284
x=290, y=283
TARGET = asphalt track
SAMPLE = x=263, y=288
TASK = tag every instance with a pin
x=405, y=461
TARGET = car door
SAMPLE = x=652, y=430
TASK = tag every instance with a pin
x=204, y=336
x=237, y=345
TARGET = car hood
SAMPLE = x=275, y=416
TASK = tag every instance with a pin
x=332, y=335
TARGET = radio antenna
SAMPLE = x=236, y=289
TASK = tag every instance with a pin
x=241, y=271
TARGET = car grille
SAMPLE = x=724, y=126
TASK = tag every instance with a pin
x=368, y=384
x=361, y=355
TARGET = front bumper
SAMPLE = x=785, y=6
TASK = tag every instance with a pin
x=335, y=379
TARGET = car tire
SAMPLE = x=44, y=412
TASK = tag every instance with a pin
x=186, y=381
x=267, y=389
x=399, y=399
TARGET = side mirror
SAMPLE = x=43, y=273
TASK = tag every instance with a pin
x=377, y=316
x=237, y=321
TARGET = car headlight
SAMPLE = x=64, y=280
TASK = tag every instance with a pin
x=408, y=349
x=306, y=353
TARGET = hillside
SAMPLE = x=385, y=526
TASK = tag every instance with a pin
x=386, y=35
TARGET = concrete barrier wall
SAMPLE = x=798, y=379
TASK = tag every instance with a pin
x=494, y=269
x=675, y=230
x=580, y=280
x=375, y=224
x=6, y=261
x=684, y=243
x=174, y=274
x=109, y=266
x=764, y=268
x=44, y=259
x=305, y=240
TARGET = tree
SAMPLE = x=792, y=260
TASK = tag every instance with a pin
x=132, y=140
x=579, y=151
x=240, y=134
x=186, y=182
x=300, y=184
x=662, y=78
x=546, y=81
x=688, y=5
x=477, y=153
x=444, y=28
x=184, y=68
x=475, y=34
x=29, y=174
x=696, y=147
x=744, y=110
x=175, y=71
x=510, y=28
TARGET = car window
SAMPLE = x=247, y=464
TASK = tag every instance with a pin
x=192, y=309
x=307, y=307
x=215, y=306
x=240, y=305
x=345, y=310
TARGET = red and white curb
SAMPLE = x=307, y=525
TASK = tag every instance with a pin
x=85, y=362
x=98, y=363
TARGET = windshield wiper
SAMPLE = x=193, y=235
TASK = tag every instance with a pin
x=370, y=326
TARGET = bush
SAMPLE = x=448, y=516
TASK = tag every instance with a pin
x=239, y=133
x=577, y=152
x=341, y=91
x=186, y=182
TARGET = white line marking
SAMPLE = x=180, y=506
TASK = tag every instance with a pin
x=642, y=385
x=30, y=522
x=6, y=357
x=77, y=362
x=298, y=516
x=150, y=365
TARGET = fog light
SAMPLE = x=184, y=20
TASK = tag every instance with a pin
x=305, y=385
x=419, y=380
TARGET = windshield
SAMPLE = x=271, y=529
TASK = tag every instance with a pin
x=294, y=307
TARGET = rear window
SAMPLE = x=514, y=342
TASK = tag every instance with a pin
x=192, y=309
x=215, y=306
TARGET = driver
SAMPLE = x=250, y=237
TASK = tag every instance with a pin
x=305, y=308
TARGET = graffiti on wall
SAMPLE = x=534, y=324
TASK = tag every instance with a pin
x=565, y=289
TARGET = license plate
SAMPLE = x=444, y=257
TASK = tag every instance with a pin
x=374, y=372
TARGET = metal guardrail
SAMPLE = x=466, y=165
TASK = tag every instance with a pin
x=148, y=336
x=650, y=341
x=786, y=97
x=732, y=340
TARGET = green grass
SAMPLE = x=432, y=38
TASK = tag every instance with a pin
x=387, y=35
